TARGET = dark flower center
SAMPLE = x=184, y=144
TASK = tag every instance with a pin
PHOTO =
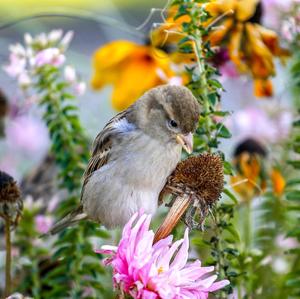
x=256, y=18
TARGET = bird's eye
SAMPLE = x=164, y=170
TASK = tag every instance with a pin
x=173, y=123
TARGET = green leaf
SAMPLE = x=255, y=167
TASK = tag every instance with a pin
x=296, y=123
x=213, y=98
x=295, y=282
x=233, y=232
x=292, y=182
x=231, y=196
x=293, y=195
x=186, y=49
x=294, y=232
x=223, y=132
x=232, y=251
x=215, y=83
x=294, y=163
x=228, y=170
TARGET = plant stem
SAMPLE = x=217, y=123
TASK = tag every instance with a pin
x=8, y=258
x=247, y=236
x=247, y=226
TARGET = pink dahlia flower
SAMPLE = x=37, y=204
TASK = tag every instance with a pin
x=147, y=271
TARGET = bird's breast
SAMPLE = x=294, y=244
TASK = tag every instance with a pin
x=131, y=180
x=145, y=162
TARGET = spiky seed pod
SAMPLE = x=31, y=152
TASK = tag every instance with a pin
x=196, y=184
x=10, y=198
x=202, y=175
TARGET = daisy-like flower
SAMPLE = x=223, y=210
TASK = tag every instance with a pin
x=131, y=69
x=250, y=178
x=146, y=271
x=236, y=27
x=251, y=46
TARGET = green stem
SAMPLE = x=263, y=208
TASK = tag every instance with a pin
x=8, y=258
x=248, y=243
x=247, y=226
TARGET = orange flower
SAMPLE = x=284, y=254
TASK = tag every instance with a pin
x=278, y=181
x=169, y=34
x=251, y=47
x=250, y=180
x=131, y=69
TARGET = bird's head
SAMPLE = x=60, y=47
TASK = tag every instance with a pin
x=169, y=114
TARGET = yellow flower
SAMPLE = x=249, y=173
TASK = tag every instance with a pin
x=250, y=179
x=131, y=69
x=251, y=47
x=278, y=181
x=169, y=34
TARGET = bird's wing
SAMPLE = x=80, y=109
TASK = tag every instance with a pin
x=102, y=146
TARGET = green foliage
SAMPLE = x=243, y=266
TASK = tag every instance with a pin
x=26, y=239
x=292, y=190
x=77, y=267
x=221, y=236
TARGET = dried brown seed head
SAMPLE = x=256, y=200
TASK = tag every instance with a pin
x=9, y=191
x=196, y=184
x=202, y=175
x=3, y=104
x=10, y=197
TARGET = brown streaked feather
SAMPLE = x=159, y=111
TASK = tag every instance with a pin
x=101, y=147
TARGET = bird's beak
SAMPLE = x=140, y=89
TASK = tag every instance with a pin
x=186, y=141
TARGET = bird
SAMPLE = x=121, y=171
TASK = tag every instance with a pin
x=133, y=156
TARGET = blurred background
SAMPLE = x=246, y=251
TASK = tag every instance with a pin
x=25, y=144
x=94, y=24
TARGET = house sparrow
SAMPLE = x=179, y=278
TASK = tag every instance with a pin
x=133, y=156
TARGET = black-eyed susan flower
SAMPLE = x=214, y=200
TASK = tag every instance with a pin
x=250, y=178
x=251, y=46
x=235, y=27
x=131, y=69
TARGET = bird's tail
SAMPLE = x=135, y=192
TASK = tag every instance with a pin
x=69, y=220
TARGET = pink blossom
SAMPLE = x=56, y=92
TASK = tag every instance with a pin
x=41, y=39
x=257, y=123
x=69, y=74
x=43, y=223
x=286, y=243
x=80, y=88
x=28, y=39
x=147, y=271
x=50, y=56
x=16, y=65
x=24, y=80
x=28, y=134
x=55, y=35
x=52, y=204
x=18, y=50
x=67, y=39
x=228, y=70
